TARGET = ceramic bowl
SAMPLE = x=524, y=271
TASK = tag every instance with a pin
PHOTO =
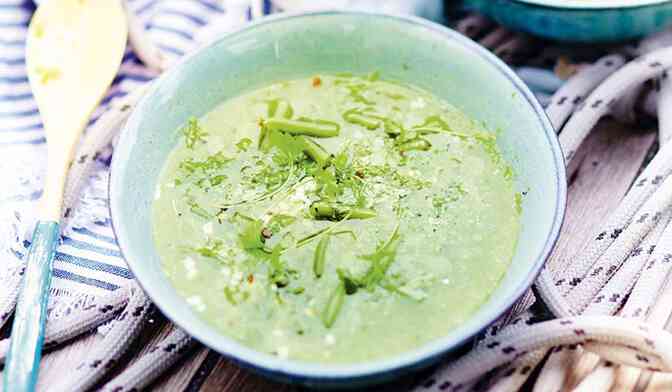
x=292, y=46
x=580, y=20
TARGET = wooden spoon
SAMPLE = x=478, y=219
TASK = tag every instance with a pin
x=74, y=48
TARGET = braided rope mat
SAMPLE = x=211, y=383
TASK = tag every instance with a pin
x=613, y=258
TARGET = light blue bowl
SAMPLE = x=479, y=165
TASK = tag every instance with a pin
x=285, y=47
x=580, y=20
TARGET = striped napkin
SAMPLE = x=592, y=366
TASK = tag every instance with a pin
x=88, y=262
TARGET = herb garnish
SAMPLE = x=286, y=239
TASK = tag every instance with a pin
x=243, y=144
x=195, y=208
x=205, y=174
x=193, y=133
x=211, y=250
x=250, y=237
x=381, y=260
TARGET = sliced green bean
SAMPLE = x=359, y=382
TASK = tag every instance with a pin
x=331, y=211
x=393, y=128
x=280, y=107
x=285, y=109
x=417, y=144
x=263, y=132
x=319, y=259
x=356, y=91
x=356, y=116
x=303, y=127
x=435, y=122
x=425, y=131
x=334, y=305
x=315, y=151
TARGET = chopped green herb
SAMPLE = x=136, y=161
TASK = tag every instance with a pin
x=489, y=143
x=508, y=172
x=250, y=237
x=211, y=163
x=280, y=221
x=381, y=260
x=243, y=144
x=519, y=203
x=193, y=133
x=400, y=179
x=290, y=150
x=206, y=173
x=451, y=194
x=197, y=209
x=230, y=295
x=211, y=249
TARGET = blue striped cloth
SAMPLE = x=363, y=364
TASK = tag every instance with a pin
x=88, y=262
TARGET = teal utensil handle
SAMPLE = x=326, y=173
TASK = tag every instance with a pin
x=25, y=350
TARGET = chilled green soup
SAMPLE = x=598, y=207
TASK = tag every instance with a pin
x=335, y=219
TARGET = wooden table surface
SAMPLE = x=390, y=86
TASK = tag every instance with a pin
x=608, y=162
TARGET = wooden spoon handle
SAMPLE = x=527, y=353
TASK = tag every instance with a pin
x=25, y=350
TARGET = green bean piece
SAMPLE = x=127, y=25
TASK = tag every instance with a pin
x=272, y=107
x=425, y=131
x=262, y=137
x=285, y=109
x=393, y=128
x=435, y=121
x=334, y=305
x=417, y=144
x=358, y=117
x=280, y=107
x=302, y=127
x=332, y=211
x=356, y=92
x=319, y=260
x=315, y=151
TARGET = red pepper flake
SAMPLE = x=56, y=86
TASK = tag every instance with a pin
x=317, y=82
x=250, y=278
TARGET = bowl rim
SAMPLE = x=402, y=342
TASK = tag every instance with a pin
x=594, y=5
x=319, y=372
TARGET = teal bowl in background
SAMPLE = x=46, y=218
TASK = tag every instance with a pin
x=284, y=47
x=579, y=20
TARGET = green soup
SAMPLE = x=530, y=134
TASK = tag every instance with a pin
x=335, y=219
